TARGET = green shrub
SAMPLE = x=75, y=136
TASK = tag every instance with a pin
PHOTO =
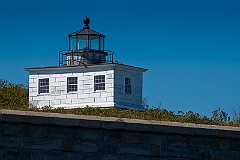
x=13, y=96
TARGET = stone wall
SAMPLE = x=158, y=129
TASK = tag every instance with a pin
x=50, y=136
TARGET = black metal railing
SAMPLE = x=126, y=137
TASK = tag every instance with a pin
x=84, y=57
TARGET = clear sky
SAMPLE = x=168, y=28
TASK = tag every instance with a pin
x=191, y=47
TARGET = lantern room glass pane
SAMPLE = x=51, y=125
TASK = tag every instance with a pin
x=94, y=44
x=101, y=47
x=73, y=43
x=83, y=44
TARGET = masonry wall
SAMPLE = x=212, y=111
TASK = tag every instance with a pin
x=35, y=135
x=85, y=94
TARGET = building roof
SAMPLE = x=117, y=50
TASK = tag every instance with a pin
x=86, y=30
x=80, y=67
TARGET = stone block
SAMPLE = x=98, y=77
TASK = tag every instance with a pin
x=53, y=79
x=137, y=137
x=113, y=157
x=2, y=130
x=61, y=79
x=41, y=143
x=222, y=154
x=88, y=100
x=1, y=153
x=77, y=101
x=10, y=142
x=110, y=99
x=86, y=146
x=237, y=153
x=66, y=121
x=92, y=156
x=88, y=91
x=155, y=151
x=205, y=132
x=87, y=82
x=55, y=155
x=114, y=136
x=107, y=147
x=84, y=95
x=36, y=130
x=11, y=154
x=14, y=118
x=178, y=152
x=138, y=127
x=95, y=95
x=177, y=140
x=56, y=75
x=67, y=145
x=62, y=132
x=234, y=144
x=134, y=149
x=66, y=101
x=223, y=143
x=100, y=99
x=113, y=125
x=156, y=139
x=25, y=154
x=90, y=123
x=84, y=78
x=16, y=129
x=77, y=74
x=60, y=97
x=106, y=94
x=40, y=120
x=36, y=154
x=72, y=96
x=228, y=134
x=203, y=142
x=92, y=134
x=33, y=85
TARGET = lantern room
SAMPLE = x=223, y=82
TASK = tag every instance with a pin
x=86, y=46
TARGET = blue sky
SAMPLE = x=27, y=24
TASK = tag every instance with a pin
x=191, y=48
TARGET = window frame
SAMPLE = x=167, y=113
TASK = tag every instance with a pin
x=70, y=85
x=99, y=83
x=43, y=86
x=128, y=86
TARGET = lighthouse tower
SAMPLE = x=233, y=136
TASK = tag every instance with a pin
x=86, y=76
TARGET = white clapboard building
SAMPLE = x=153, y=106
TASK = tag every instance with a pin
x=86, y=76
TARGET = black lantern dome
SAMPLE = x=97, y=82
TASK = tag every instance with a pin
x=86, y=46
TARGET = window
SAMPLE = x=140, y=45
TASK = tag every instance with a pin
x=99, y=82
x=43, y=85
x=127, y=85
x=71, y=84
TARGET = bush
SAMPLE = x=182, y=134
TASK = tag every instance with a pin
x=13, y=96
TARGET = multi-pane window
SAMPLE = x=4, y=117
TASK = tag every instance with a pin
x=128, y=86
x=99, y=82
x=71, y=84
x=43, y=85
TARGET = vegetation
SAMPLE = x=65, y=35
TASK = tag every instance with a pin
x=16, y=97
x=13, y=96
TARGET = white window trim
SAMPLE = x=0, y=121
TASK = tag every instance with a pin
x=127, y=91
x=94, y=84
x=39, y=86
x=72, y=84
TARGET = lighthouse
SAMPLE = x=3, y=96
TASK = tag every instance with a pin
x=86, y=75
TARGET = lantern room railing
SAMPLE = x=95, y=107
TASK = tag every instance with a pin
x=84, y=57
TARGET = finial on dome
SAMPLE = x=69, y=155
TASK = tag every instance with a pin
x=86, y=22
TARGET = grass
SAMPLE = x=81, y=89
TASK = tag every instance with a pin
x=15, y=97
